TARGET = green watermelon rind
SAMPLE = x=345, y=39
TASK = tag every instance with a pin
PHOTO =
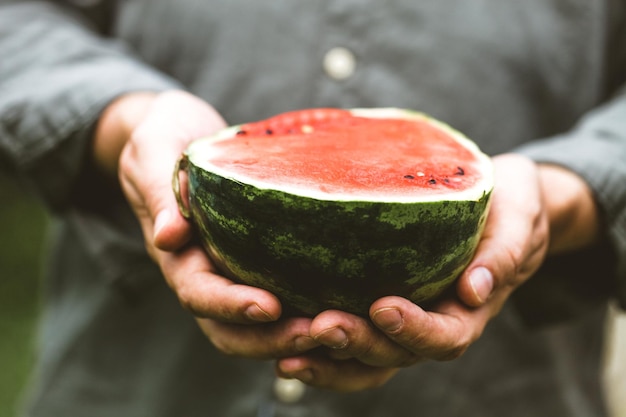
x=286, y=245
x=317, y=254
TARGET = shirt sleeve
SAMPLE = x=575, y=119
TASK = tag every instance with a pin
x=57, y=74
x=596, y=150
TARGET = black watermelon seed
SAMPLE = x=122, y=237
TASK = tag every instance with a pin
x=459, y=171
x=409, y=177
x=241, y=132
x=432, y=181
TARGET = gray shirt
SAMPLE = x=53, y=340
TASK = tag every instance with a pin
x=541, y=77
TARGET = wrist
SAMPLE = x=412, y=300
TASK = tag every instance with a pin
x=115, y=127
x=571, y=207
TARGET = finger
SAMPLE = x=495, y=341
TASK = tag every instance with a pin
x=265, y=341
x=148, y=161
x=201, y=290
x=343, y=376
x=515, y=238
x=145, y=175
x=350, y=336
x=154, y=205
x=443, y=334
x=171, y=229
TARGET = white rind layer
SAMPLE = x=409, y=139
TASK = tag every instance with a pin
x=200, y=152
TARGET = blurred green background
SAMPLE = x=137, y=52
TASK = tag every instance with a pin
x=22, y=230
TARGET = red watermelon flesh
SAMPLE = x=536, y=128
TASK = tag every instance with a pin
x=340, y=153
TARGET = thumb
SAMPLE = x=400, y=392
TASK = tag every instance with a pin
x=149, y=191
x=171, y=225
x=171, y=229
x=149, y=162
x=515, y=237
x=476, y=288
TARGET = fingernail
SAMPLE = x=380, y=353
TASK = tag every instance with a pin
x=334, y=338
x=305, y=343
x=161, y=220
x=481, y=281
x=256, y=313
x=388, y=319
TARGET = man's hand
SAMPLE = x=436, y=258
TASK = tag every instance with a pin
x=141, y=136
x=526, y=208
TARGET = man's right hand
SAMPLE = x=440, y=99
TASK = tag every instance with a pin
x=140, y=137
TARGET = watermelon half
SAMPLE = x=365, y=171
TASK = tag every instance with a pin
x=333, y=209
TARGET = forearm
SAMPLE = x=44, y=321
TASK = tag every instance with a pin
x=572, y=209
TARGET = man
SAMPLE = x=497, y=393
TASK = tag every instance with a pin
x=96, y=90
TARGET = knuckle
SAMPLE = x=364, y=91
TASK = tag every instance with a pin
x=187, y=299
x=365, y=350
x=462, y=342
x=224, y=348
x=410, y=360
x=419, y=340
x=454, y=353
x=191, y=299
x=512, y=255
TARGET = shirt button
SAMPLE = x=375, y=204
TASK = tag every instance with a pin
x=339, y=63
x=289, y=390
